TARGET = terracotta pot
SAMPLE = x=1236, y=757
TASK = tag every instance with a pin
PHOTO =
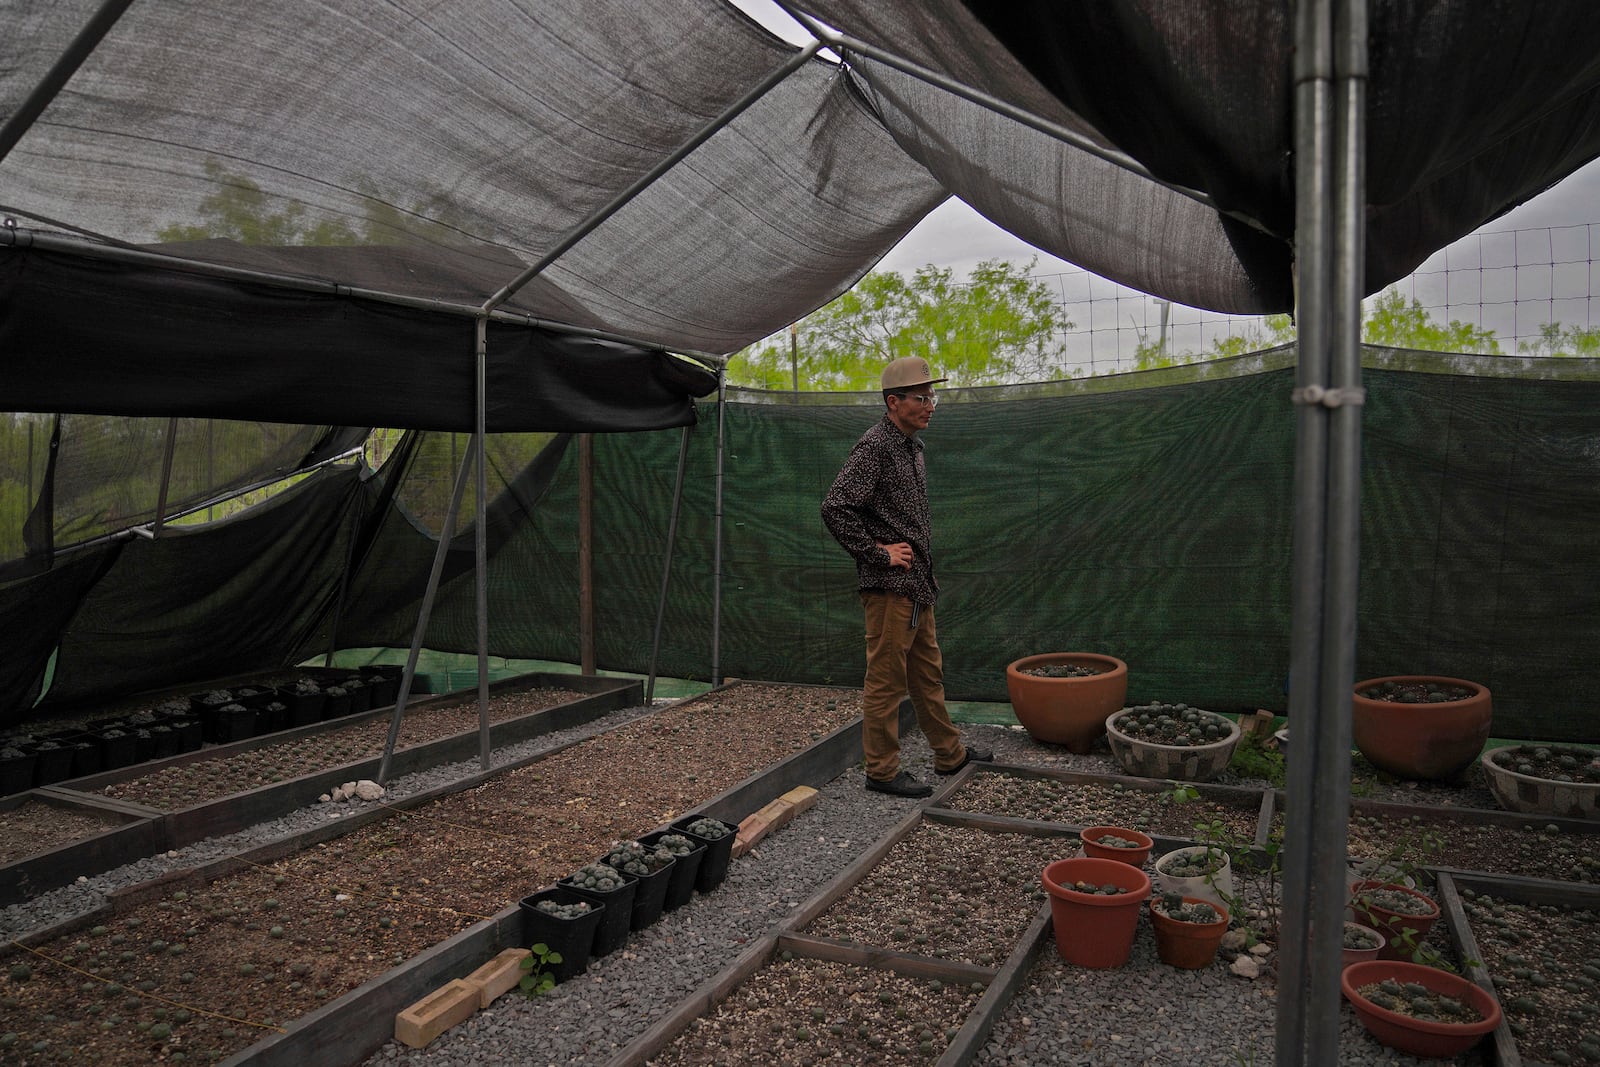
x=1393, y=924
x=1534, y=794
x=1091, y=836
x=1183, y=763
x=1190, y=946
x=1361, y=955
x=1431, y=1040
x=1423, y=741
x=1067, y=711
x=1093, y=930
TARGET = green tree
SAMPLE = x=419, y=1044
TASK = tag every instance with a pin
x=1000, y=325
x=242, y=211
x=1558, y=340
x=1274, y=330
x=1396, y=324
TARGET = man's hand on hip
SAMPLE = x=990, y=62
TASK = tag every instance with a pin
x=899, y=555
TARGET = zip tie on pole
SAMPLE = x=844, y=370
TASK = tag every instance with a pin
x=1335, y=397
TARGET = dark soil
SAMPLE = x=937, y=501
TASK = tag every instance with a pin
x=1085, y=804
x=208, y=969
x=809, y=1011
x=1545, y=964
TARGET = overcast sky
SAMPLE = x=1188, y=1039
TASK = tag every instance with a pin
x=1485, y=278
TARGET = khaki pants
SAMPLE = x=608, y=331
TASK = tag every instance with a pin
x=903, y=659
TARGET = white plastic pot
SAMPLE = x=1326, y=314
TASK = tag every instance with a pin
x=1214, y=891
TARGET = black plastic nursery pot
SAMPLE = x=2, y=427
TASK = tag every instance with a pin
x=52, y=765
x=16, y=773
x=304, y=708
x=719, y=852
x=612, y=931
x=685, y=869
x=572, y=938
x=118, y=748
x=650, y=896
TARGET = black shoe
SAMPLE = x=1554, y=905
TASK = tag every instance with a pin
x=901, y=785
x=974, y=755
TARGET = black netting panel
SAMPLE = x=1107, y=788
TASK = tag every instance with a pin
x=228, y=597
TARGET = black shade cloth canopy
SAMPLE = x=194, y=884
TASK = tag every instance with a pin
x=433, y=152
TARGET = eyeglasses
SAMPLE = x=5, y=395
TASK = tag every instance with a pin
x=927, y=399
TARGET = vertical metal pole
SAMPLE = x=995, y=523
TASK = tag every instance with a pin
x=481, y=540
x=1313, y=68
x=586, y=658
x=344, y=587
x=666, y=564
x=716, y=538
x=446, y=532
x=1330, y=810
x=166, y=476
x=1330, y=71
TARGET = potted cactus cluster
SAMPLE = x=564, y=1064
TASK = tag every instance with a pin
x=1172, y=741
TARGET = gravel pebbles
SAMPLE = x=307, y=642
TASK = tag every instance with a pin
x=1145, y=1013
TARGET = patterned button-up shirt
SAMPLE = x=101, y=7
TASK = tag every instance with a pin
x=881, y=498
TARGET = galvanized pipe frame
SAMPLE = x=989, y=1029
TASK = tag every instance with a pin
x=1330, y=70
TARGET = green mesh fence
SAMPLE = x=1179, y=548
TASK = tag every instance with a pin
x=1149, y=522
x=1147, y=516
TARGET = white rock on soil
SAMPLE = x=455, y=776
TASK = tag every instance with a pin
x=367, y=789
x=1246, y=967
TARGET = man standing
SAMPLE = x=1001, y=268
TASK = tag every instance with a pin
x=878, y=510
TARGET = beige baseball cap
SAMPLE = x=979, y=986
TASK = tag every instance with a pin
x=908, y=371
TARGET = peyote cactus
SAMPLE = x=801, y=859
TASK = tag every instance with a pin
x=565, y=911
x=599, y=877
x=632, y=857
x=710, y=829
x=676, y=844
x=1172, y=724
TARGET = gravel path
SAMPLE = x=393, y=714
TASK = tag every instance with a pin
x=1146, y=1013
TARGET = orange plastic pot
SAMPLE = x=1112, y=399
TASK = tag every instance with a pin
x=1419, y=1037
x=1091, y=836
x=1190, y=946
x=1067, y=711
x=1092, y=929
x=1421, y=741
x=1393, y=924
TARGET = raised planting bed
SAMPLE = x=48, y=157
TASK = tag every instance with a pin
x=799, y=999
x=524, y=714
x=358, y=903
x=950, y=892
x=1469, y=839
x=445, y=727
x=1073, y=799
x=804, y=1011
x=48, y=836
x=1539, y=949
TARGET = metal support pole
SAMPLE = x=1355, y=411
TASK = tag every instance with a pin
x=586, y=659
x=645, y=180
x=666, y=565
x=447, y=532
x=166, y=477
x=481, y=539
x=65, y=66
x=716, y=539
x=1330, y=67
